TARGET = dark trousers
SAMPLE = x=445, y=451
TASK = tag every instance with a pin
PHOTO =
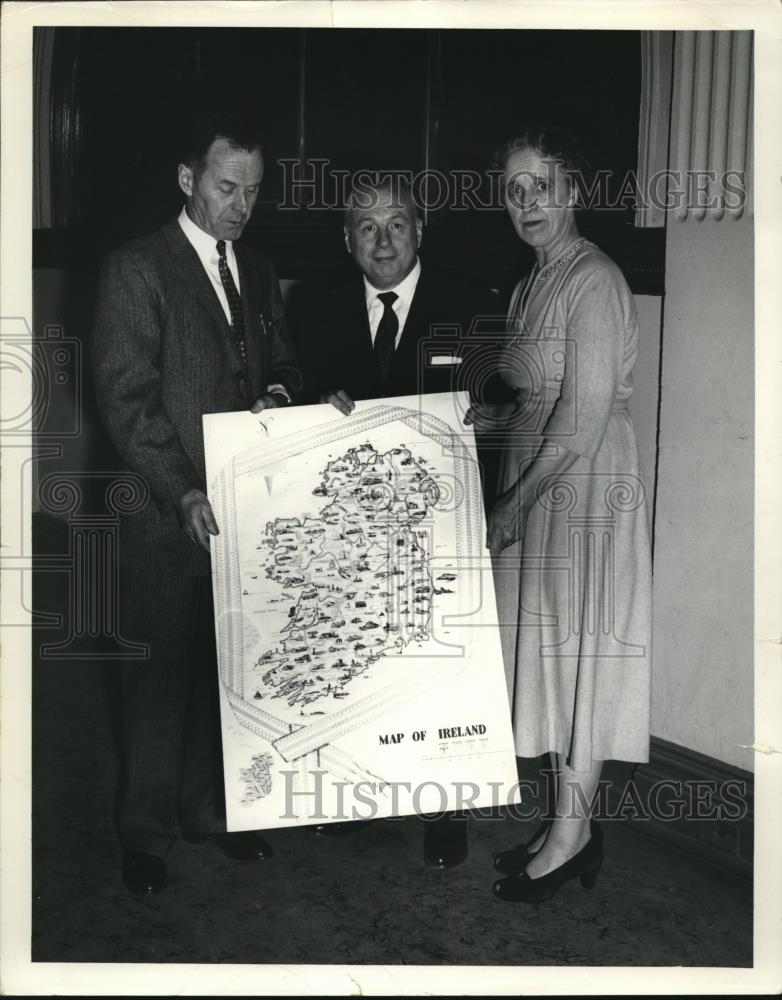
x=173, y=777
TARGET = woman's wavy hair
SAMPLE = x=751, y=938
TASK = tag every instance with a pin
x=554, y=143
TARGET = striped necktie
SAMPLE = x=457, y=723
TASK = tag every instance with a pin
x=234, y=299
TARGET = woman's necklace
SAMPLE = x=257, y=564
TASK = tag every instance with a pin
x=564, y=258
x=538, y=276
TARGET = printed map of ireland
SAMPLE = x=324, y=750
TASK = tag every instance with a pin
x=356, y=574
x=356, y=623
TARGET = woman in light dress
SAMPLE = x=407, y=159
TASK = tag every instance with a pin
x=569, y=532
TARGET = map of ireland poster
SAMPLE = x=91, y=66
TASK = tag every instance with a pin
x=359, y=656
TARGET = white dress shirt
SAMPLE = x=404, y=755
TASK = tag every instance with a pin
x=405, y=291
x=206, y=248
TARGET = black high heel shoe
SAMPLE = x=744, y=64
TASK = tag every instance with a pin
x=584, y=865
x=517, y=858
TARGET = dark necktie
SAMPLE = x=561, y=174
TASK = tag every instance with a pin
x=385, y=338
x=234, y=299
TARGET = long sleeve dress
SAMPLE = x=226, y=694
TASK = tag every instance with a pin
x=574, y=596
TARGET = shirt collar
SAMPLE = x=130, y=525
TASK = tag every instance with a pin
x=405, y=289
x=204, y=244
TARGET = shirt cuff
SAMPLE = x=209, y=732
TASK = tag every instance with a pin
x=280, y=390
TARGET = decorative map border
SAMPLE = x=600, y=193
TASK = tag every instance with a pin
x=313, y=743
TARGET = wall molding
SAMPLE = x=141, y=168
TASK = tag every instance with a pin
x=727, y=842
x=722, y=841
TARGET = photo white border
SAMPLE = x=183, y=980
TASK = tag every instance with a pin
x=22, y=977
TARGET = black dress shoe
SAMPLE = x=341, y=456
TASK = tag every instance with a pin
x=584, y=865
x=339, y=829
x=445, y=841
x=243, y=846
x=517, y=858
x=143, y=873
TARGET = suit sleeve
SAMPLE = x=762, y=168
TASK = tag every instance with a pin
x=283, y=367
x=126, y=349
x=319, y=347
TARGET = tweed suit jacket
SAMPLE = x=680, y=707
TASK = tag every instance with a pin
x=164, y=355
x=336, y=348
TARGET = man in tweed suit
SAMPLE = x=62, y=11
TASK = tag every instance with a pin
x=187, y=323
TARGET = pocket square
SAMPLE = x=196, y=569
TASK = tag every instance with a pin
x=445, y=359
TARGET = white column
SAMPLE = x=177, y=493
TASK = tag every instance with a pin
x=696, y=89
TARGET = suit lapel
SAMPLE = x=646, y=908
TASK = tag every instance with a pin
x=255, y=322
x=363, y=340
x=404, y=367
x=198, y=284
x=360, y=352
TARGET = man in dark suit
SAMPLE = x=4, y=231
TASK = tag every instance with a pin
x=188, y=322
x=376, y=337
x=372, y=337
